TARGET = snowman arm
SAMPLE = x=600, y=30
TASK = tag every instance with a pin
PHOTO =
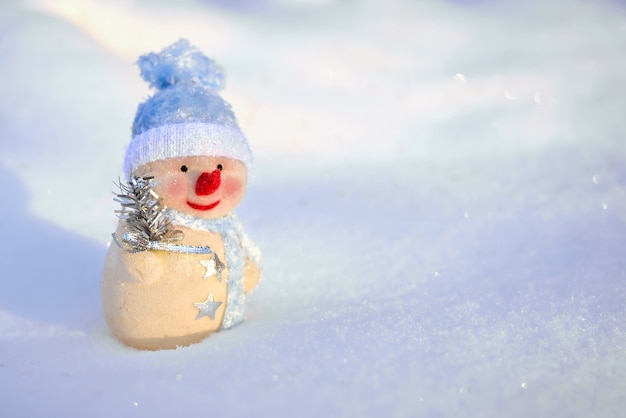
x=251, y=276
x=145, y=267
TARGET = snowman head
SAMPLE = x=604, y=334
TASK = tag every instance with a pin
x=205, y=187
x=187, y=136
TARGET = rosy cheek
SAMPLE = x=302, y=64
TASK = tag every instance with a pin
x=232, y=188
x=173, y=188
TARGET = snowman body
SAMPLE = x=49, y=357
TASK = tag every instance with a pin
x=149, y=297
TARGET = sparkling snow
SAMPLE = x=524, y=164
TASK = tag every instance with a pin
x=439, y=191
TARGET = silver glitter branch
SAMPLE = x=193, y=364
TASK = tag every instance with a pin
x=146, y=226
x=142, y=211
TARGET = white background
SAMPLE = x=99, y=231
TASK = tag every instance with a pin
x=438, y=191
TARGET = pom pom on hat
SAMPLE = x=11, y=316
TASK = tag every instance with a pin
x=185, y=116
x=181, y=62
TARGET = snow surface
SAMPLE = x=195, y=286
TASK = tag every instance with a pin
x=439, y=191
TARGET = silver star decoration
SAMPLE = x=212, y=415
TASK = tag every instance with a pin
x=210, y=267
x=208, y=307
x=214, y=266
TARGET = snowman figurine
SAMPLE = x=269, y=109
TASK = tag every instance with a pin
x=188, y=152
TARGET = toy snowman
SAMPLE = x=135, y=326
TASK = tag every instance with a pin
x=181, y=263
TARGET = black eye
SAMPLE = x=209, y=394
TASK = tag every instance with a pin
x=219, y=167
x=183, y=169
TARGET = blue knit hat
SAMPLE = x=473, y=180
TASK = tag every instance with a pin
x=186, y=116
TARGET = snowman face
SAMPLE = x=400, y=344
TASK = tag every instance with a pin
x=205, y=187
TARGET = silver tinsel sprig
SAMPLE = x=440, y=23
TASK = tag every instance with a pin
x=144, y=221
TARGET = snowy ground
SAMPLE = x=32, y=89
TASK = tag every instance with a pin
x=439, y=191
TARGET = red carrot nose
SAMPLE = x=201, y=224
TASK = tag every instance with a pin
x=208, y=183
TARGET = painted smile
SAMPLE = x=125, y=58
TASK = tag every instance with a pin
x=197, y=206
